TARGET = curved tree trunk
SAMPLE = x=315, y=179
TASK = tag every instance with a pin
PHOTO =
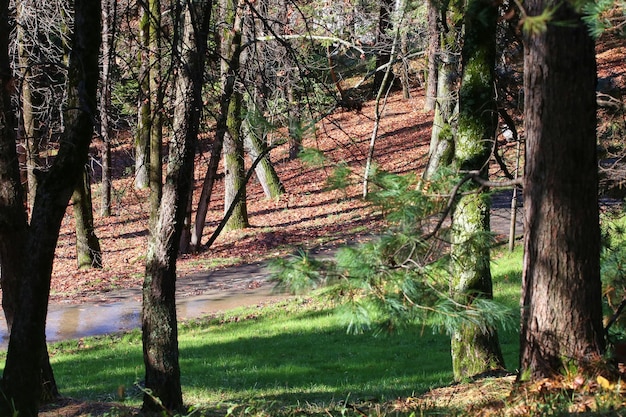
x=561, y=291
x=475, y=351
x=21, y=382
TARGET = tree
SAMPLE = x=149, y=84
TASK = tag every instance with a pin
x=21, y=382
x=88, y=252
x=144, y=122
x=109, y=14
x=474, y=349
x=159, y=324
x=561, y=292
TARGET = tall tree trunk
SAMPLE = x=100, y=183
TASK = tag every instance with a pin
x=28, y=132
x=155, y=172
x=434, y=48
x=88, y=253
x=159, y=324
x=561, y=292
x=475, y=351
x=109, y=8
x=441, y=149
x=21, y=382
x=383, y=44
x=144, y=109
x=234, y=168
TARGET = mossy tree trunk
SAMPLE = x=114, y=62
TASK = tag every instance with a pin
x=88, y=253
x=235, y=172
x=159, y=323
x=441, y=149
x=561, y=290
x=157, y=91
x=26, y=356
x=474, y=351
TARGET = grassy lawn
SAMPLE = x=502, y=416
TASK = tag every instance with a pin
x=285, y=355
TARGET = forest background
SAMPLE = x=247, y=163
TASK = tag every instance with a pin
x=310, y=82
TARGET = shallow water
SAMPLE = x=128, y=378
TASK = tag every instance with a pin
x=73, y=321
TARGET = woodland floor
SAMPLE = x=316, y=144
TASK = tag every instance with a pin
x=307, y=215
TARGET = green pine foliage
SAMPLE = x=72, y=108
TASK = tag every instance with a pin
x=398, y=278
x=603, y=15
x=613, y=264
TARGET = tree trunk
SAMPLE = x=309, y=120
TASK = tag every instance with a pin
x=383, y=45
x=441, y=149
x=432, y=52
x=29, y=134
x=234, y=169
x=88, y=253
x=561, y=292
x=231, y=50
x=21, y=383
x=144, y=121
x=108, y=50
x=159, y=324
x=475, y=351
x=155, y=171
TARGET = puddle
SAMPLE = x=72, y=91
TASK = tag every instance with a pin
x=66, y=321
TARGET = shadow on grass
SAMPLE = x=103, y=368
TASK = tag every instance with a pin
x=290, y=353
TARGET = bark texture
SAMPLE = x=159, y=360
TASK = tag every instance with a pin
x=475, y=351
x=88, y=252
x=159, y=324
x=561, y=294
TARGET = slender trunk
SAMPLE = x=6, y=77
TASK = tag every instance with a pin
x=383, y=55
x=433, y=50
x=441, y=149
x=159, y=323
x=144, y=122
x=155, y=173
x=108, y=25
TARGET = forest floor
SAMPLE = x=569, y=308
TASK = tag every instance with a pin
x=308, y=215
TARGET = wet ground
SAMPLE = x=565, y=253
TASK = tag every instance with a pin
x=197, y=295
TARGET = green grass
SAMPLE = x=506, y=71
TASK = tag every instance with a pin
x=287, y=354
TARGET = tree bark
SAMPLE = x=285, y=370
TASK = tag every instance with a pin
x=108, y=51
x=441, y=149
x=234, y=168
x=475, y=351
x=383, y=56
x=433, y=49
x=21, y=383
x=88, y=253
x=157, y=91
x=561, y=292
x=144, y=122
x=159, y=324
